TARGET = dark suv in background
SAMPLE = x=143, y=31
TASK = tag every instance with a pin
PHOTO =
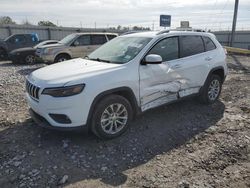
x=17, y=41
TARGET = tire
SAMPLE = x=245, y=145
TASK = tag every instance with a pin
x=107, y=124
x=61, y=58
x=3, y=54
x=30, y=59
x=212, y=89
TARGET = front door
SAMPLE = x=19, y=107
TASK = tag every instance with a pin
x=160, y=83
x=16, y=41
x=81, y=46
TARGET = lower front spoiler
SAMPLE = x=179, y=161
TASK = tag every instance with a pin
x=42, y=122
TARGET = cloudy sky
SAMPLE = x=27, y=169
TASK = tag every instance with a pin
x=210, y=14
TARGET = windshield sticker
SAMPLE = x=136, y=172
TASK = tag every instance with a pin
x=127, y=57
x=136, y=45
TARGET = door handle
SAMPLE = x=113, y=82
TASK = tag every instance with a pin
x=208, y=58
x=176, y=66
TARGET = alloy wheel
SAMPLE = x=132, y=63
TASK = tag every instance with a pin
x=214, y=90
x=114, y=118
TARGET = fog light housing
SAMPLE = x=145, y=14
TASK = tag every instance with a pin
x=60, y=118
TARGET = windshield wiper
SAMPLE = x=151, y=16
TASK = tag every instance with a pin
x=100, y=60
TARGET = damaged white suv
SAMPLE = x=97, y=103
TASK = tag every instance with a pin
x=128, y=75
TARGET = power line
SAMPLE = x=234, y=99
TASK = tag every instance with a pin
x=222, y=10
x=210, y=15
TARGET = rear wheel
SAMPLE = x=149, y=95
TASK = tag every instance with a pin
x=61, y=58
x=211, y=90
x=111, y=117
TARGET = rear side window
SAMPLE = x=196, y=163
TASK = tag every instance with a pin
x=98, y=39
x=110, y=37
x=209, y=45
x=191, y=45
x=167, y=48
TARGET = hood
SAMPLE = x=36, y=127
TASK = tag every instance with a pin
x=57, y=45
x=70, y=71
x=23, y=50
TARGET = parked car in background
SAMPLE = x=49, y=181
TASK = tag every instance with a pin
x=17, y=41
x=126, y=76
x=73, y=46
x=27, y=55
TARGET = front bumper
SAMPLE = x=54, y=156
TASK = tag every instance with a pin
x=42, y=122
x=46, y=58
x=68, y=106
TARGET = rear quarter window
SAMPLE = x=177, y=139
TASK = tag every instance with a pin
x=209, y=44
x=191, y=45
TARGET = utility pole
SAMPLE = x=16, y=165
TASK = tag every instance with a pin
x=234, y=22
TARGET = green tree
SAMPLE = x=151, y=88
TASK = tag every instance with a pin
x=6, y=20
x=46, y=23
x=119, y=27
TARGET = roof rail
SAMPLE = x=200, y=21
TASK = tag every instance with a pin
x=131, y=32
x=162, y=32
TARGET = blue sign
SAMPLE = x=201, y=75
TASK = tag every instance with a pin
x=165, y=20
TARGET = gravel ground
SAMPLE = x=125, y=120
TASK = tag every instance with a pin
x=182, y=145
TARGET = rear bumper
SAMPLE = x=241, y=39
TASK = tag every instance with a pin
x=42, y=122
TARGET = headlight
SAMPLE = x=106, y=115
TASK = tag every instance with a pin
x=48, y=51
x=64, y=91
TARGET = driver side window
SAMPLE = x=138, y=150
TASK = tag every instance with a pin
x=83, y=40
x=167, y=48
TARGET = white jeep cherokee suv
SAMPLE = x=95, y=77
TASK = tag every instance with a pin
x=128, y=75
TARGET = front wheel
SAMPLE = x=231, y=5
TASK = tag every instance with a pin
x=211, y=90
x=30, y=59
x=61, y=58
x=111, y=117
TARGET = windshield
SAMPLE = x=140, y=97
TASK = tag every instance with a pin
x=120, y=50
x=68, y=39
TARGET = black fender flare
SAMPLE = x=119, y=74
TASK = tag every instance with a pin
x=126, y=92
x=210, y=73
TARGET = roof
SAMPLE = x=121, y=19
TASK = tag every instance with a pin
x=153, y=34
x=96, y=33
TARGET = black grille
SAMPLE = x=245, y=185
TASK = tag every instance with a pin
x=32, y=90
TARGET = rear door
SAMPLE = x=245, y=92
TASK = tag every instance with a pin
x=211, y=52
x=97, y=41
x=192, y=65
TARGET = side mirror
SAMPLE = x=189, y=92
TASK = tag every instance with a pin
x=152, y=59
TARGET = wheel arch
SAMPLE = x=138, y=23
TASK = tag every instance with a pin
x=216, y=70
x=62, y=53
x=125, y=92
